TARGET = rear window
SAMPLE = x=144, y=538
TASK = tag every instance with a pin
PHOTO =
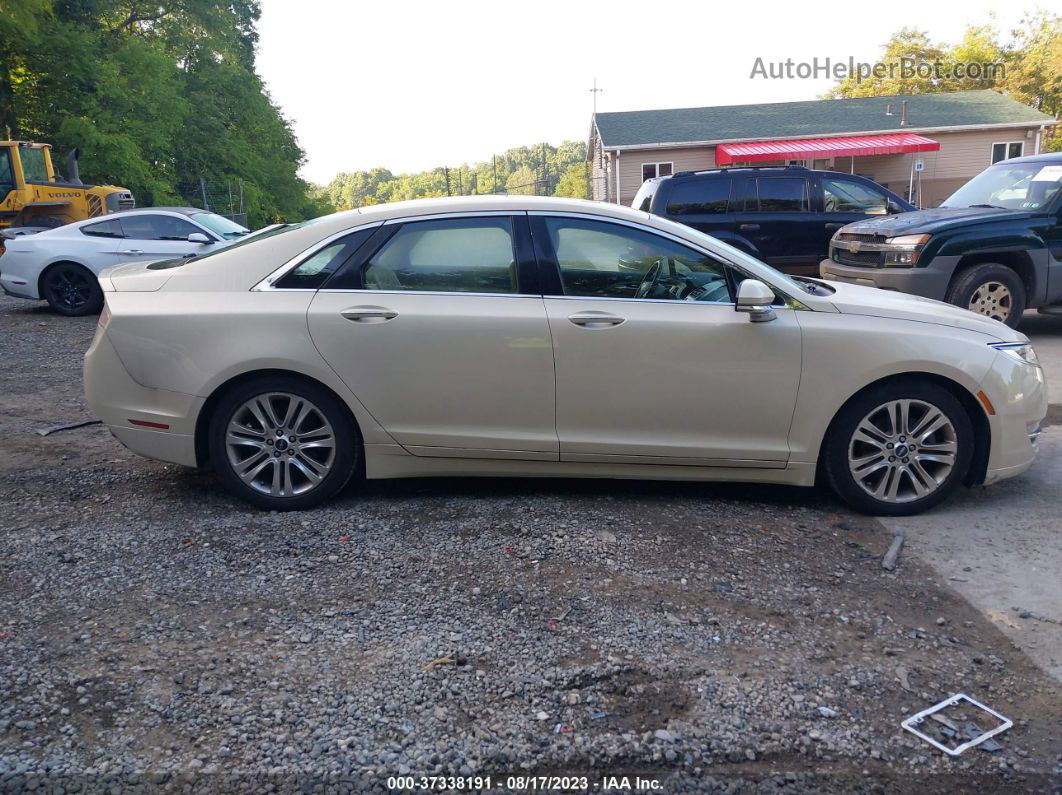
x=700, y=196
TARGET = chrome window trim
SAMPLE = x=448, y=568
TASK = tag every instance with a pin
x=266, y=284
x=455, y=214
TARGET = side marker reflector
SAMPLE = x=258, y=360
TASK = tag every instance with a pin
x=147, y=424
x=989, y=408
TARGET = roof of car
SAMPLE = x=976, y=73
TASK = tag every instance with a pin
x=1043, y=157
x=814, y=117
x=181, y=210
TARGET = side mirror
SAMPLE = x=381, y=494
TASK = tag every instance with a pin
x=755, y=298
x=198, y=237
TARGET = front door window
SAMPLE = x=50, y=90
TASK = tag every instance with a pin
x=849, y=196
x=598, y=259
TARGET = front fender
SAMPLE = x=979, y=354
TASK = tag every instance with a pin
x=843, y=353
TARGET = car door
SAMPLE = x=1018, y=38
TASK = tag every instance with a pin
x=845, y=200
x=653, y=363
x=776, y=217
x=441, y=333
x=155, y=236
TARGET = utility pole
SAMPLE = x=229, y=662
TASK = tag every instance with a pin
x=446, y=172
x=545, y=171
x=595, y=91
x=495, y=159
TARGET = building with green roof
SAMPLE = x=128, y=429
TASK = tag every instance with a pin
x=954, y=135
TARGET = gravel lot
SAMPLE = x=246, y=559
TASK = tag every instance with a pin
x=159, y=635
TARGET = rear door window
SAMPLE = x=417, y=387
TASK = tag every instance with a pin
x=780, y=194
x=700, y=196
x=454, y=255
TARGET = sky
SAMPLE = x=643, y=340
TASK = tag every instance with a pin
x=410, y=86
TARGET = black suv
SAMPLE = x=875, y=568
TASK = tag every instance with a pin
x=784, y=216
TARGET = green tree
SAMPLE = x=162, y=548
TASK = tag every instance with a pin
x=156, y=95
x=1034, y=71
x=908, y=43
x=521, y=182
x=573, y=181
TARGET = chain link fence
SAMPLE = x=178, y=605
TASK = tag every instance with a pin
x=224, y=197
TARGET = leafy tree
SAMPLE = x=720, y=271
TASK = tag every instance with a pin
x=908, y=43
x=1034, y=73
x=573, y=181
x=517, y=170
x=521, y=182
x=155, y=94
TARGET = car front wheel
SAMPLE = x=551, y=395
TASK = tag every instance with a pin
x=283, y=444
x=899, y=448
x=990, y=289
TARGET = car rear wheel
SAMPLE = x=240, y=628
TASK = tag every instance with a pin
x=283, y=444
x=71, y=290
x=990, y=289
x=899, y=448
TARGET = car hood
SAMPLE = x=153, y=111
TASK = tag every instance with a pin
x=931, y=221
x=853, y=299
x=139, y=277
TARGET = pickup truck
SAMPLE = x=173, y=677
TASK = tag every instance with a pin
x=993, y=247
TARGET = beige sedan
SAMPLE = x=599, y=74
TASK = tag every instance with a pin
x=542, y=337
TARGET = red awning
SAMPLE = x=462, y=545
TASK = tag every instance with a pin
x=810, y=148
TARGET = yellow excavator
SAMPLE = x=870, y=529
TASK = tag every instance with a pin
x=33, y=197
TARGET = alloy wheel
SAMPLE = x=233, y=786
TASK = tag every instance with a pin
x=280, y=444
x=68, y=288
x=903, y=450
x=992, y=299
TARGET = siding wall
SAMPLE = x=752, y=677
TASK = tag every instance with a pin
x=961, y=156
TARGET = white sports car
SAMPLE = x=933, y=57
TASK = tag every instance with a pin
x=547, y=337
x=60, y=265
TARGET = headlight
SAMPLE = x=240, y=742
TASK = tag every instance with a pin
x=1022, y=351
x=903, y=251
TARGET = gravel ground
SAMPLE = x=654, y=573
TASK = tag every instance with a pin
x=156, y=634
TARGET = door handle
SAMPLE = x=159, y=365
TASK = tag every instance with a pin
x=595, y=319
x=834, y=225
x=133, y=251
x=369, y=314
x=749, y=227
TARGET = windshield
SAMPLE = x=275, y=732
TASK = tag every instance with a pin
x=230, y=230
x=253, y=237
x=33, y=167
x=1010, y=186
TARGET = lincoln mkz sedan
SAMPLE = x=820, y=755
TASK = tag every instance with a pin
x=543, y=337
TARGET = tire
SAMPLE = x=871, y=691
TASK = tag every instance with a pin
x=71, y=290
x=860, y=472
x=297, y=470
x=989, y=289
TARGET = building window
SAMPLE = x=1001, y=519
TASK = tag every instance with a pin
x=654, y=170
x=1007, y=150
